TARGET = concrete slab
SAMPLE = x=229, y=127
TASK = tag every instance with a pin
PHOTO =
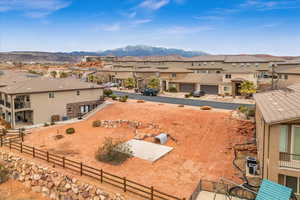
x=147, y=150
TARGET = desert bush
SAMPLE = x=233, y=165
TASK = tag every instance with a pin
x=52, y=123
x=172, y=89
x=96, y=123
x=123, y=98
x=251, y=112
x=113, y=151
x=114, y=97
x=187, y=95
x=3, y=174
x=181, y=105
x=70, y=130
x=205, y=108
x=140, y=101
x=243, y=109
x=46, y=124
x=107, y=92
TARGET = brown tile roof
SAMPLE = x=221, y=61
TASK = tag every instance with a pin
x=45, y=84
x=8, y=77
x=209, y=79
x=244, y=59
x=279, y=105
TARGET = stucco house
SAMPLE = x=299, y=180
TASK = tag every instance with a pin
x=41, y=99
x=278, y=135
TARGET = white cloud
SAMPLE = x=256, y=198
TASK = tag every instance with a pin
x=141, y=21
x=34, y=8
x=111, y=28
x=183, y=30
x=154, y=4
x=270, y=4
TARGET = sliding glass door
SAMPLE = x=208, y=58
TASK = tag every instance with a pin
x=296, y=143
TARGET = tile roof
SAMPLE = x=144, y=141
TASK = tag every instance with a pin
x=279, y=105
x=244, y=58
x=45, y=84
x=209, y=79
x=8, y=77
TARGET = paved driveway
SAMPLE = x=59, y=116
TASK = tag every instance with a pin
x=188, y=102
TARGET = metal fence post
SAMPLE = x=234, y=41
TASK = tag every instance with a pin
x=152, y=192
x=33, y=151
x=124, y=183
x=47, y=156
x=63, y=162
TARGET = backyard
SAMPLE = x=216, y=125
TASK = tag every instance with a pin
x=202, y=143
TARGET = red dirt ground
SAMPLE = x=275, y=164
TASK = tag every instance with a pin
x=203, y=150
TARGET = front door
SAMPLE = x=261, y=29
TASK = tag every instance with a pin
x=296, y=143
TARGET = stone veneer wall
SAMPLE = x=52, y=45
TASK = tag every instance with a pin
x=50, y=183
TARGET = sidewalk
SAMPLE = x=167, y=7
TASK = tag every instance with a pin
x=203, y=195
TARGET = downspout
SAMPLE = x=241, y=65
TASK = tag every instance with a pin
x=264, y=139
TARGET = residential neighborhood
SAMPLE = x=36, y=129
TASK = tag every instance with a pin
x=149, y=100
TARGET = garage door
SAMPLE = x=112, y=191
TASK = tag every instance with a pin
x=187, y=87
x=210, y=89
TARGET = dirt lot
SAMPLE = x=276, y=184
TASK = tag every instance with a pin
x=14, y=190
x=203, y=150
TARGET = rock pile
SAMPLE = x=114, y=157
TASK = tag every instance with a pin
x=50, y=183
x=127, y=123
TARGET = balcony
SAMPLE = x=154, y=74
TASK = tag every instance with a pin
x=1, y=102
x=7, y=104
x=22, y=105
x=287, y=160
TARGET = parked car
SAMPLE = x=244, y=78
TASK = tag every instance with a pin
x=109, y=84
x=149, y=92
x=198, y=93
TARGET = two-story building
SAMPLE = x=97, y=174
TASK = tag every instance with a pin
x=41, y=99
x=278, y=135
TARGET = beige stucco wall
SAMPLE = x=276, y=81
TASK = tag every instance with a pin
x=44, y=107
x=245, y=76
x=292, y=79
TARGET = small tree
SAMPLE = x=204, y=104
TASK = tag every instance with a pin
x=114, y=151
x=3, y=174
x=154, y=83
x=53, y=74
x=248, y=88
x=63, y=75
x=129, y=83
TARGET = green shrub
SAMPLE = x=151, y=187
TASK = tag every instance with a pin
x=107, y=92
x=3, y=174
x=113, y=152
x=70, y=130
x=96, y=123
x=172, y=89
x=123, y=98
x=243, y=109
x=46, y=124
x=187, y=95
x=52, y=123
x=114, y=97
x=251, y=113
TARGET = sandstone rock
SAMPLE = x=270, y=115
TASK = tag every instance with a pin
x=36, y=189
x=36, y=177
x=46, y=191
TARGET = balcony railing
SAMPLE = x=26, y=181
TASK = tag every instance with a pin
x=1, y=102
x=288, y=160
x=21, y=105
x=8, y=105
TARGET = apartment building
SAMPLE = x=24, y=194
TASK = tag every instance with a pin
x=278, y=135
x=40, y=99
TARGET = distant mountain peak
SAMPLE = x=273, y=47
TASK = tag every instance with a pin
x=144, y=50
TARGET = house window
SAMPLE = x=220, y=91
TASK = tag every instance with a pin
x=290, y=181
x=226, y=88
x=218, y=72
x=69, y=109
x=283, y=76
x=78, y=92
x=51, y=95
x=173, y=75
x=296, y=142
x=283, y=143
x=228, y=76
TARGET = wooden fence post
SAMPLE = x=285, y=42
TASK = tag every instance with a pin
x=9, y=143
x=1, y=140
x=63, y=162
x=21, y=150
x=124, y=183
x=22, y=136
x=33, y=152
x=152, y=192
x=81, y=168
x=47, y=156
x=101, y=175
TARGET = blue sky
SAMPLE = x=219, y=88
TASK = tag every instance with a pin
x=213, y=26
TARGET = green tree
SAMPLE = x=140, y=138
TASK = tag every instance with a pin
x=53, y=74
x=129, y=83
x=154, y=83
x=63, y=75
x=247, y=88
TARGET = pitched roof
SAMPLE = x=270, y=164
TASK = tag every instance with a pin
x=279, y=105
x=209, y=79
x=8, y=77
x=244, y=58
x=45, y=84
